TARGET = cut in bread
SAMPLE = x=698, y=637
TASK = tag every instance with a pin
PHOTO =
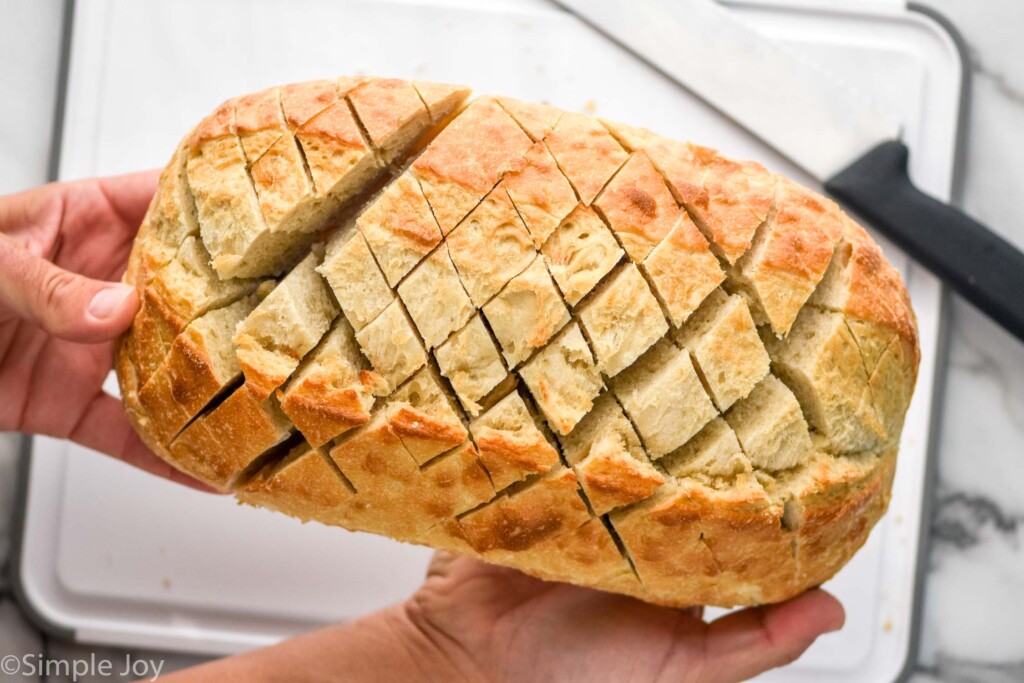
x=467, y=159
x=580, y=253
x=663, y=396
x=181, y=291
x=638, y=206
x=789, y=256
x=770, y=426
x=490, y=247
x=471, y=362
x=435, y=298
x=392, y=345
x=284, y=327
x=355, y=278
x=200, y=365
x=587, y=154
x=563, y=379
x=527, y=313
x=399, y=228
x=541, y=194
x=333, y=389
x=726, y=348
x=682, y=270
x=622, y=320
x=728, y=199
x=564, y=345
x=511, y=444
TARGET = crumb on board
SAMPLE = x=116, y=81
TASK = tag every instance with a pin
x=590, y=106
x=167, y=583
x=887, y=625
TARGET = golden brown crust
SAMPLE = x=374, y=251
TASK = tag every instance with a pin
x=362, y=430
x=728, y=199
x=638, y=206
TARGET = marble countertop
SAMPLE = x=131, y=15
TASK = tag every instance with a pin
x=975, y=581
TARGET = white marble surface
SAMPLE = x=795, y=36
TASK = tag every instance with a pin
x=975, y=587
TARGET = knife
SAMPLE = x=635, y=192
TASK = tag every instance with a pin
x=825, y=127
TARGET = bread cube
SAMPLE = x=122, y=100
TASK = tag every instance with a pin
x=663, y=396
x=434, y=296
x=622, y=319
x=580, y=252
x=466, y=159
x=683, y=270
x=399, y=227
x=563, y=379
x=770, y=426
x=789, y=256
x=219, y=446
x=200, y=364
x=511, y=444
x=471, y=362
x=540, y=192
x=334, y=389
x=392, y=114
x=612, y=477
x=606, y=417
x=586, y=152
x=821, y=362
x=724, y=342
x=714, y=452
x=392, y=345
x=425, y=417
x=451, y=484
x=340, y=161
x=526, y=313
x=355, y=278
x=490, y=247
x=284, y=327
x=638, y=206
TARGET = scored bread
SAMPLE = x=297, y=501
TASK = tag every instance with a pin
x=548, y=341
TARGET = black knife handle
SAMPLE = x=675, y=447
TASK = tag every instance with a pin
x=984, y=268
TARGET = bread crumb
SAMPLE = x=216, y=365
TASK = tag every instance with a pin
x=167, y=584
x=887, y=625
x=590, y=106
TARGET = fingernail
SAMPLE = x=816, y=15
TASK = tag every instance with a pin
x=106, y=301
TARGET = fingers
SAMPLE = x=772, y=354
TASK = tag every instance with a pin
x=104, y=427
x=129, y=195
x=743, y=644
x=65, y=304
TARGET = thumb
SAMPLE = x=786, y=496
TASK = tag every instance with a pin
x=65, y=304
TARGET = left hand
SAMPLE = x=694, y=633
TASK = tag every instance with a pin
x=63, y=248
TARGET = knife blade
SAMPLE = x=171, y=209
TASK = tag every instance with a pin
x=826, y=127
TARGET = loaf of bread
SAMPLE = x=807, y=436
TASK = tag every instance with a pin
x=538, y=338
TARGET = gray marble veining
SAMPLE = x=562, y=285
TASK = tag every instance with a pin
x=975, y=584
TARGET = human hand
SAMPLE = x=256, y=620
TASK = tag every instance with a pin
x=476, y=622
x=493, y=623
x=63, y=248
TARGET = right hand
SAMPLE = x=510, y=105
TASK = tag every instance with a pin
x=493, y=623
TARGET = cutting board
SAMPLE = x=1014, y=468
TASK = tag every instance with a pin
x=109, y=555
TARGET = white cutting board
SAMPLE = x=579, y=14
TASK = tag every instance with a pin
x=118, y=557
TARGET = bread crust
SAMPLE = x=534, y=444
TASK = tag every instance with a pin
x=683, y=471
